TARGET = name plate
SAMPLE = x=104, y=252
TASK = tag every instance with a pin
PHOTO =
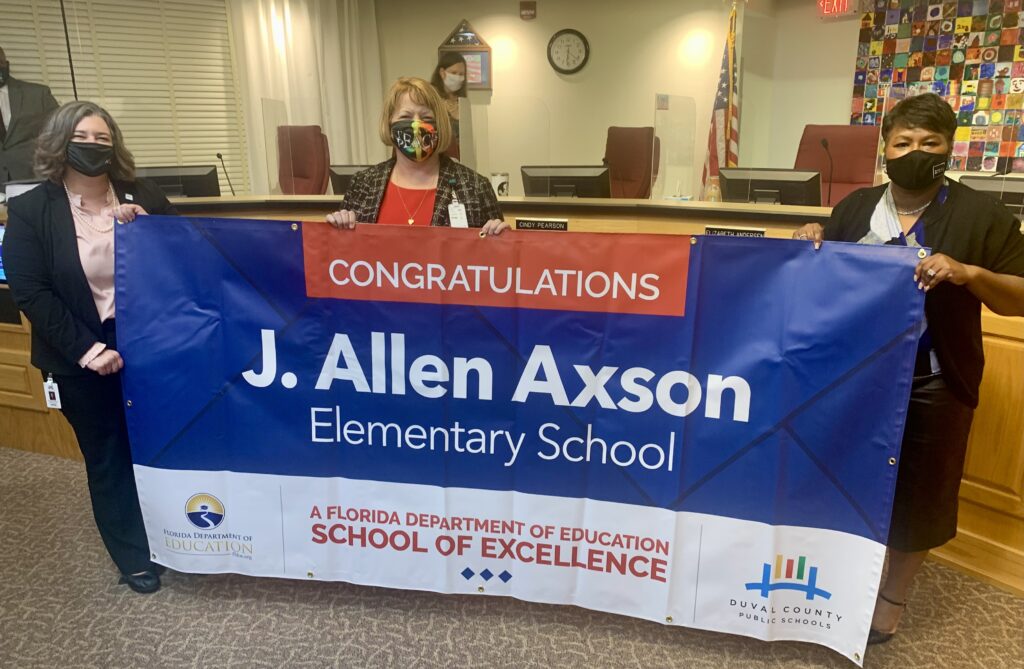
x=558, y=224
x=729, y=231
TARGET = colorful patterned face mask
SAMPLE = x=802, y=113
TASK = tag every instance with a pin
x=416, y=139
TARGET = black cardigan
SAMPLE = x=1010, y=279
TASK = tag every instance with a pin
x=969, y=227
x=45, y=272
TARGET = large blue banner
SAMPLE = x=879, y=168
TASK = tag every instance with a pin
x=733, y=405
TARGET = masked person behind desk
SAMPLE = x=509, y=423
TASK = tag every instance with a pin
x=977, y=258
x=449, y=80
x=418, y=185
x=59, y=258
x=24, y=107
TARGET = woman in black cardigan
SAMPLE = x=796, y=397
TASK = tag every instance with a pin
x=977, y=258
x=59, y=258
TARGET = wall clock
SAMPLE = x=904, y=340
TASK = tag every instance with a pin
x=568, y=51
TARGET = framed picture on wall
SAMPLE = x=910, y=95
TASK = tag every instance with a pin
x=467, y=42
x=478, y=69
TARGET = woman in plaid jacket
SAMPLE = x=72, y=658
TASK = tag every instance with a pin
x=419, y=185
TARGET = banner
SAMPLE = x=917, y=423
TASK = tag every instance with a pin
x=699, y=431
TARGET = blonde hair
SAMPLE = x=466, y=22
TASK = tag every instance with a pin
x=421, y=93
x=52, y=145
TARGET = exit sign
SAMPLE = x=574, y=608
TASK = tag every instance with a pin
x=828, y=9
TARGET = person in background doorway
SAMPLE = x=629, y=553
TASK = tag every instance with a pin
x=449, y=80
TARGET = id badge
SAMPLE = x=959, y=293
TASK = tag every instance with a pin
x=51, y=392
x=457, y=214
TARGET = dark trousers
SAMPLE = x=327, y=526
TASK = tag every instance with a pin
x=94, y=407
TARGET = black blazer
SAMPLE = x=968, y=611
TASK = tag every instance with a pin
x=31, y=104
x=45, y=272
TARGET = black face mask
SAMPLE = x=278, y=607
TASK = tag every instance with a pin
x=916, y=170
x=90, y=159
x=5, y=73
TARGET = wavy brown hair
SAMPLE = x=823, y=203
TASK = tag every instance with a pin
x=52, y=145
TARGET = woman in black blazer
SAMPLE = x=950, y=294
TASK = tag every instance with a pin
x=58, y=254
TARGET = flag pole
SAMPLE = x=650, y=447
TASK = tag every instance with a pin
x=731, y=38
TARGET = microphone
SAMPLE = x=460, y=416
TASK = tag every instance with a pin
x=824, y=145
x=226, y=172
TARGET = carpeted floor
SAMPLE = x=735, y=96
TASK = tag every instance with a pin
x=60, y=607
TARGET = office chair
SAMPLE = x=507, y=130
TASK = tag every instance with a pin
x=632, y=156
x=854, y=150
x=303, y=160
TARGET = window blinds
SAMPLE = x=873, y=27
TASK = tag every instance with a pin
x=163, y=69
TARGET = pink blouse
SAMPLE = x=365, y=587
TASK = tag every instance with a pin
x=95, y=236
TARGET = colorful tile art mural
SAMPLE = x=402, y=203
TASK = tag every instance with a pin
x=970, y=52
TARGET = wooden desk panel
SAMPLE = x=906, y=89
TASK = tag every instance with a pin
x=585, y=215
x=990, y=528
x=25, y=422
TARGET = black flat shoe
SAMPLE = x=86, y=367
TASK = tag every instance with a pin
x=143, y=583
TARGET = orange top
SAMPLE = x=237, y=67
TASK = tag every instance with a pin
x=407, y=206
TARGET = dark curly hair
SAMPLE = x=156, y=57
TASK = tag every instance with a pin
x=928, y=111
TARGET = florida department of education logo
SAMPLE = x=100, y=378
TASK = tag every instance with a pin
x=204, y=511
x=205, y=514
x=789, y=574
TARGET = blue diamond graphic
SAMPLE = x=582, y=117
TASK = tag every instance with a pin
x=467, y=573
x=486, y=574
x=505, y=576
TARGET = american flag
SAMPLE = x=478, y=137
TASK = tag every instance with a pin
x=724, y=137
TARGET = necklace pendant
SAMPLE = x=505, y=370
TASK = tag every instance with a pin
x=411, y=221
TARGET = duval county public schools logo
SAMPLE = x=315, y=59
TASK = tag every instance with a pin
x=204, y=511
x=790, y=574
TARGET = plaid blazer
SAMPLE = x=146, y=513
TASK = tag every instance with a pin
x=366, y=191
